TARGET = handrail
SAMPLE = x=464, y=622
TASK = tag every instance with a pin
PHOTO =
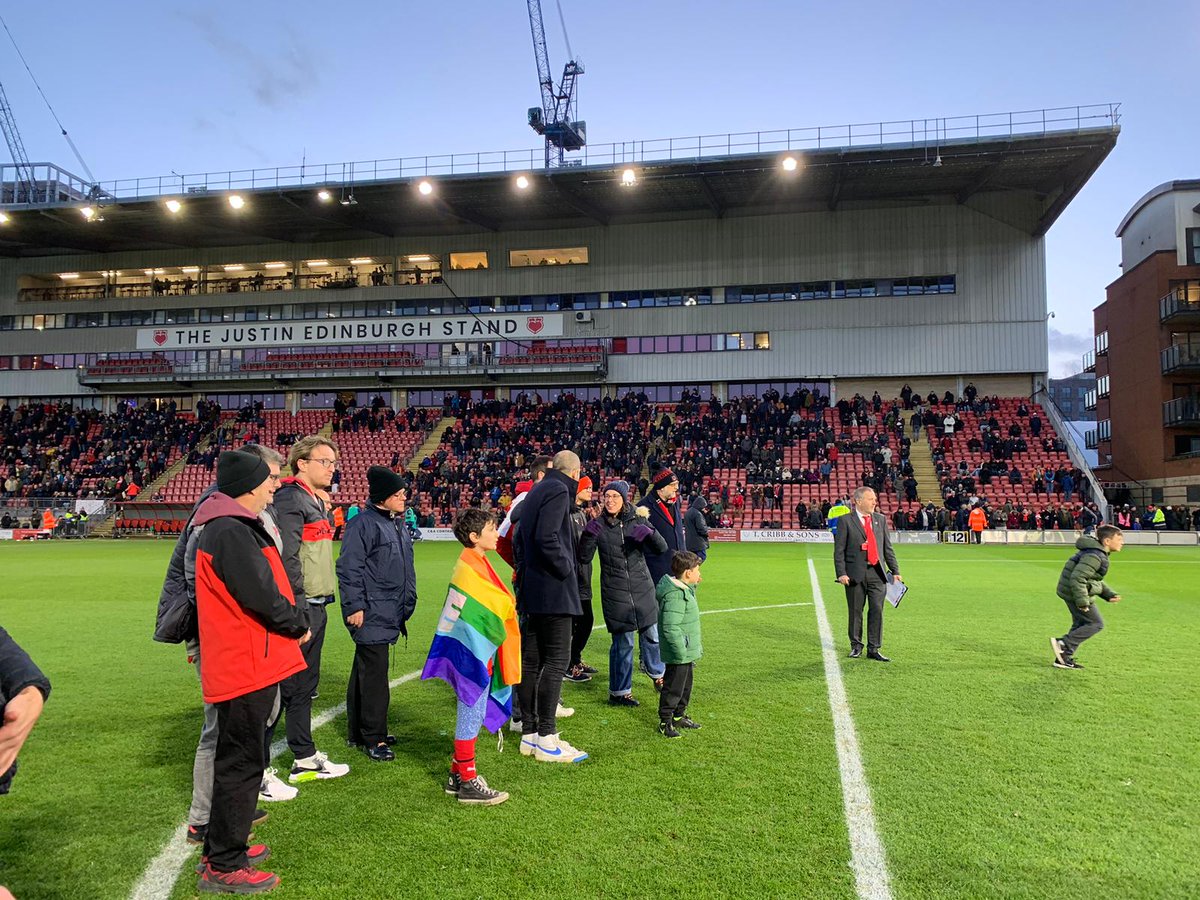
x=1068, y=437
x=933, y=133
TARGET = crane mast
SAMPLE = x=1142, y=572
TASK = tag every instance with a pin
x=555, y=118
x=24, y=185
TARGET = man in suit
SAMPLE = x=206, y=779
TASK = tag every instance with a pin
x=861, y=547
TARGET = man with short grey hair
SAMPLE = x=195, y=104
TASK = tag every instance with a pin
x=548, y=600
x=861, y=547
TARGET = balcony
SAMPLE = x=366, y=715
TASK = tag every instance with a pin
x=1102, y=344
x=1089, y=400
x=1089, y=361
x=1181, y=359
x=1090, y=440
x=1181, y=307
x=1183, y=412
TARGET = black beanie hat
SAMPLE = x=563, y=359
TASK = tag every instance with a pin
x=382, y=482
x=239, y=472
x=664, y=478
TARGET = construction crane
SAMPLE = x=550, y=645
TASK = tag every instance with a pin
x=555, y=118
x=24, y=188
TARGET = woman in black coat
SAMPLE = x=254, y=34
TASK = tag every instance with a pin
x=626, y=590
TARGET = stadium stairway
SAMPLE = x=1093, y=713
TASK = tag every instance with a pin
x=431, y=443
x=928, y=485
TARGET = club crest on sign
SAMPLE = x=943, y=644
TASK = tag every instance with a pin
x=535, y=324
x=160, y=337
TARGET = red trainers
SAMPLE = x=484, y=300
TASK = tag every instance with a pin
x=256, y=854
x=242, y=881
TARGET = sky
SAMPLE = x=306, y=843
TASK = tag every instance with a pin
x=147, y=87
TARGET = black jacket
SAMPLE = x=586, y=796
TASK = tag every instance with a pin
x=376, y=576
x=667, y=520
x=579, y=518
x=546, y=548
x=626, y=591
x=176, y=620
x=695, y=529
x=17, y=672
x=849, y=557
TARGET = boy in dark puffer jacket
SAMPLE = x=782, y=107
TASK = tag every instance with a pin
x=1081, y=582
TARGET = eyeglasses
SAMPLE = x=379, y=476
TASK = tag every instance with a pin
x=327, y=463
x=275, y=478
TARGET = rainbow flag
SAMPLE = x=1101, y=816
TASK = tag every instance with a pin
x=477, y=646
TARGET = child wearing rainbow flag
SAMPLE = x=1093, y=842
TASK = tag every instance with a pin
x=477, y=651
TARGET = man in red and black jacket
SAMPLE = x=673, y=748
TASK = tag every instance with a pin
x=250, y=635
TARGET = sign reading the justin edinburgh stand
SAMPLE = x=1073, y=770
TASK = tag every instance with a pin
x=428, y=329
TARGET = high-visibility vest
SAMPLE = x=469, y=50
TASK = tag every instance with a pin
x=48, y=519
x=339, y=517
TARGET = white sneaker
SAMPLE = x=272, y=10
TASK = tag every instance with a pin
x=274, y=789
x=514, y=725
x=529, y=744
x=552, y=748
x=315, y=767
x=564, y=712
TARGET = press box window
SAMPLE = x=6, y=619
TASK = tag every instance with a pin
x=476, y=260
x=566, y=256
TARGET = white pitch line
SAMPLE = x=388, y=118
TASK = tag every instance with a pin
x=867, y=857
x=158, y=879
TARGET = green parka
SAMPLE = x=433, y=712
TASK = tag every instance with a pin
x=1082, y=577
x=678, y=622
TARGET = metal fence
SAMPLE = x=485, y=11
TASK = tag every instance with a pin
x=931, y=132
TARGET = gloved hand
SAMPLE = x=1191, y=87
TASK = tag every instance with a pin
x=639, y=533
x=592, y=528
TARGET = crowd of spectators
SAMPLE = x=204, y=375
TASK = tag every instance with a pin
x=53, y=451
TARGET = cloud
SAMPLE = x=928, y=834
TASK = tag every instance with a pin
x=1066, y=352
x=275, y=79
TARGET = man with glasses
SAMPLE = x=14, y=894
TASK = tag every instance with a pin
x=307, y=535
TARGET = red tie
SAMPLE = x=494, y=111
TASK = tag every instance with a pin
x=871, y=548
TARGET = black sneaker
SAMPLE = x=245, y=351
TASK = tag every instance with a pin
x=685, y=722
x=196, y=834
x=667, y=729
x=453, y=783
x=260, y=816
x=477, y=793
x=590, y=670
x=380, y=753
x=622, y=700
x=1066, y=663
x=577, y=675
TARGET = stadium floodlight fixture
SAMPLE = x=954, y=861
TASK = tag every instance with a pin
x=4, y=218
x=317, y=262
x=628, y=178
x=361, y=261
x=68, y=276
x=425, y=188
x=790, y=164
x=324, y=196
x=236, y=201
x=174, y=205
x=420, y=257
x=234, y=267
x=523, y=182
x=88, y=213
x=275, y=265
x=187, y=270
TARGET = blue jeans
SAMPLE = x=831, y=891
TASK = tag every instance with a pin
x=620, y=659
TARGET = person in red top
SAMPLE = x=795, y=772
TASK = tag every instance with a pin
x=250, y=636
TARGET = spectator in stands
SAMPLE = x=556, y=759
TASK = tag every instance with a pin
x=695, y=528
x=242, y=596
x=548, y=592
x=377, y=585
x=624, y=539
x=581, y=629
x=308, y=558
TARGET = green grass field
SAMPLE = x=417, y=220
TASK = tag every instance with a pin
x=992, y=773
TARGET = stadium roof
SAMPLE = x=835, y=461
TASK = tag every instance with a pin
x=1046, y=160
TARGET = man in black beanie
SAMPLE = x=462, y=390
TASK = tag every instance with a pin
x=665, y=517
x=243, y=599
x=378, y=586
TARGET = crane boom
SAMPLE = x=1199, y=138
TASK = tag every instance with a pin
x=542, y=57
x=25, y=182
x=555, y=119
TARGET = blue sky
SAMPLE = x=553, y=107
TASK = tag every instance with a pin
x=149, y=87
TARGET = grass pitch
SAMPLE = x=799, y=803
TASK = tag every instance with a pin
x=992, y=774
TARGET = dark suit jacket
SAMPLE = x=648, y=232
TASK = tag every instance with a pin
x=849, y=558
x=546, y=547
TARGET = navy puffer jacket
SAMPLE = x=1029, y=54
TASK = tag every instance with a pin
x=376, y=576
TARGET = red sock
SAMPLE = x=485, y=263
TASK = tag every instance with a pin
x=464, y=759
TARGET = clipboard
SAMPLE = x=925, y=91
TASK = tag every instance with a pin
x=895, y=591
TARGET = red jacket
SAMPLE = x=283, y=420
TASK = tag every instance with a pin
x=242, y=596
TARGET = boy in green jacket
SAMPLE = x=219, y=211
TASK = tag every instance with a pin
x=679, y=637
x=1081, y=581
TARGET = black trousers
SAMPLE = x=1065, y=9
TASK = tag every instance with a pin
x=367, y=695
x=296, y=691
x=237, y=775
x=869, y=592
x=1083, y=625
x=581, y=630
x=545, y=650
x=676, y=691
